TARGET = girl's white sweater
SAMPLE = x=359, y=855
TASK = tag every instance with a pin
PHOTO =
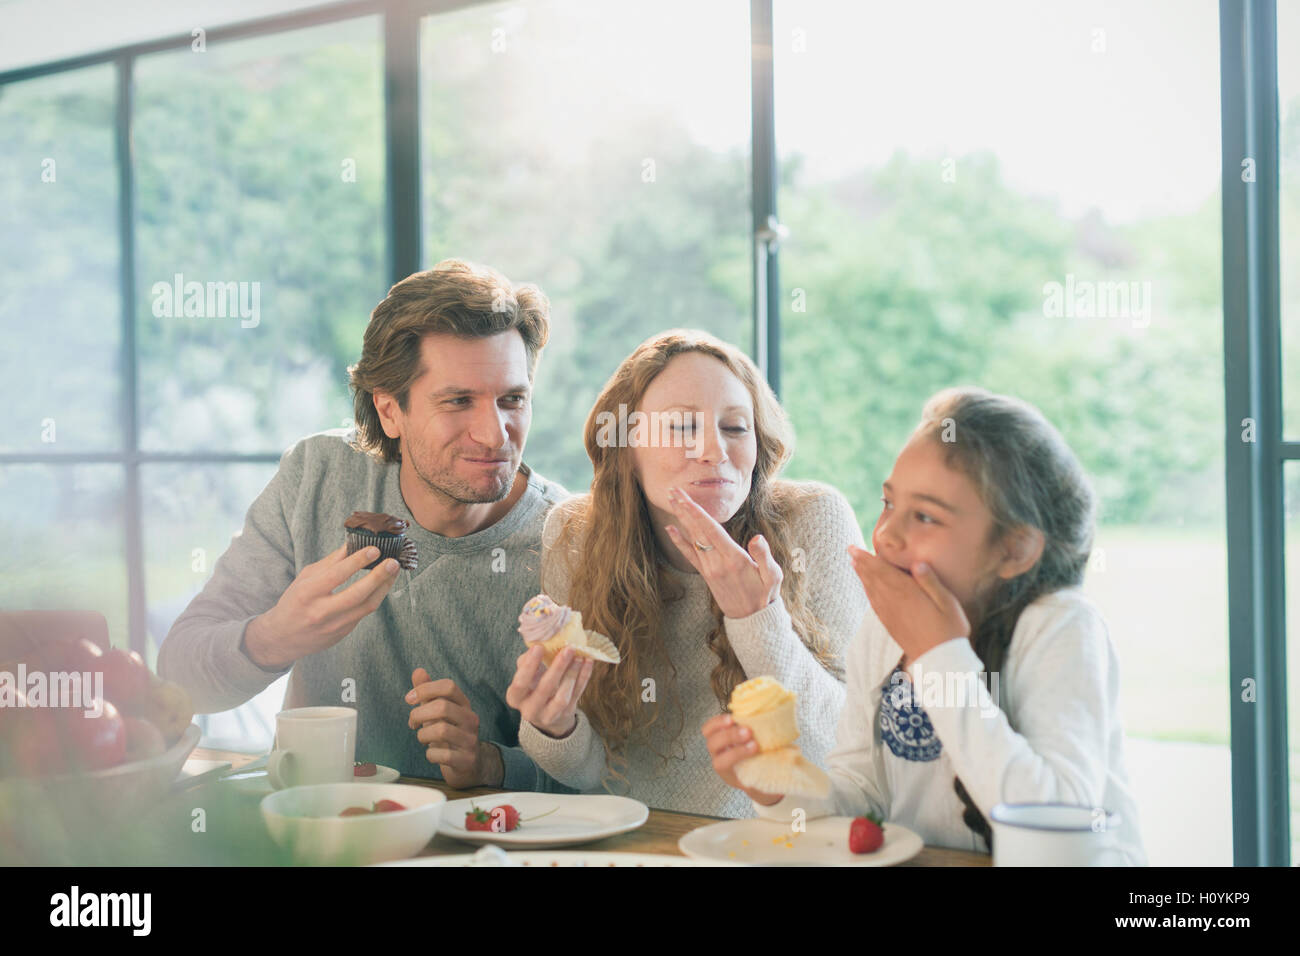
x=1049, y=733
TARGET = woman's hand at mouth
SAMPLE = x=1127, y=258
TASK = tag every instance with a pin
x=743, y=581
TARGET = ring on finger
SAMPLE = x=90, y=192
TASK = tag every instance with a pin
x=702, y=547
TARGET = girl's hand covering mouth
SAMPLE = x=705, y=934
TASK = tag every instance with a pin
x=916, y=609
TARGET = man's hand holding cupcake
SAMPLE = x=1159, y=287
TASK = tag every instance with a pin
x=310, y=616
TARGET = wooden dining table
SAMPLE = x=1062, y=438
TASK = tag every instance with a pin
x=659, y=834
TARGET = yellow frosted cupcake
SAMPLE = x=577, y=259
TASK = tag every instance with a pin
x=767, y=709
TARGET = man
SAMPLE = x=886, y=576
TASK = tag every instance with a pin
x=443, y=401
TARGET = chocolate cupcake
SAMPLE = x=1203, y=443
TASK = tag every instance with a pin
x=368, y=528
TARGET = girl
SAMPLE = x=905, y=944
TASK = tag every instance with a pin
x=980, y=549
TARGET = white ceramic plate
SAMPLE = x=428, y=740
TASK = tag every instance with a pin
x=544, y=858
x=576, y=818
x=382, y=775
x=770, y=843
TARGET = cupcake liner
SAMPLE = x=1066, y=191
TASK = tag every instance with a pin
x=397, y=546
x=783, y=771
x=600, y=648
x=585, y=643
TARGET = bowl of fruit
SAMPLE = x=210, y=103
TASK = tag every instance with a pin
x=352, y=824
x=89, y=731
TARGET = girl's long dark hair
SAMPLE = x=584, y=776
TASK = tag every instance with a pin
x=1028, y=478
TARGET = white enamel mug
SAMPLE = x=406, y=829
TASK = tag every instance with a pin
x=313, y=745
x=1054, y=834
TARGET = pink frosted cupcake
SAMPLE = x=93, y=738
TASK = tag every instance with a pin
x=556, y=626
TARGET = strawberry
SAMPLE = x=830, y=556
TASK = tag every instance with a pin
x=387, y=806
x=500, y=819
x=504, y=818
x=477, y=819
x=355, y=812
x=865, y=835
x=364, y=769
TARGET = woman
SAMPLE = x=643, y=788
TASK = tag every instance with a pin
x=701, y=566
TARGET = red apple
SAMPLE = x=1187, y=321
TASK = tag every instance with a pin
x=66, y=656
x=94, y=742
x=126, y=680
x=52, y=656
x=31, y=739
x=86, y=655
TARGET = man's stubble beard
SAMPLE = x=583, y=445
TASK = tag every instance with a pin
x=447, y=485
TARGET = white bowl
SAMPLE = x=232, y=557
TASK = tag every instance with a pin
x=306, y=822
x=54, y=819
x=113, y=793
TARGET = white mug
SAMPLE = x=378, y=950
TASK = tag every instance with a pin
x=1053, y=834
x=313, y=745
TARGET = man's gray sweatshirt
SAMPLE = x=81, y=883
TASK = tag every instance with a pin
x=456, y=616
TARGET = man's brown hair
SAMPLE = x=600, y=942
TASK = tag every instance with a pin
x=454, y=297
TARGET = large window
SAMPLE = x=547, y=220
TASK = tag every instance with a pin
x=1288, y=82
x=61, y=316
x=66, y=525
x=984, y=223
x=563, y=145
x=260, y=176
x=59, y=304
